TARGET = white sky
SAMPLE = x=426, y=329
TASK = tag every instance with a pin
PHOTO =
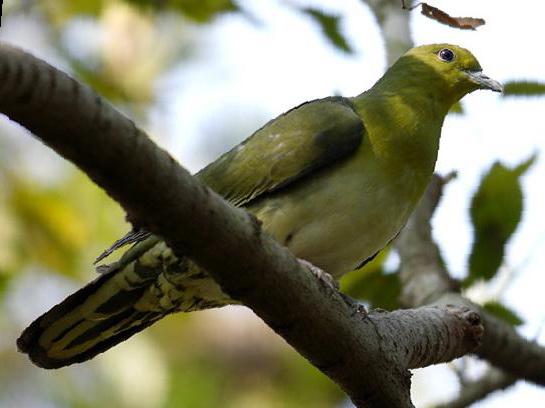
x=258, y=72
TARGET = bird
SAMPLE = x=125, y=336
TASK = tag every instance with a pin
x=334, y=180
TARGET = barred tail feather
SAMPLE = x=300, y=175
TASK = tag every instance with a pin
x=144, y=286
x=72, y=333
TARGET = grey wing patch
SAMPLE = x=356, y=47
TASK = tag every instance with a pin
x=135, y=235
x=292, y=146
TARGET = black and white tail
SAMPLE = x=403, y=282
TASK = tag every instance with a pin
x=147, y=283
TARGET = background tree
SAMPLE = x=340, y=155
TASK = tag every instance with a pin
x=48, y=234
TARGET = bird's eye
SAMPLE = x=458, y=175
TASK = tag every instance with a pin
x=446, y=55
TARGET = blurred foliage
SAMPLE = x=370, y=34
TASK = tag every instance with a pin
x=287, y=381
x=503, y=312
x=523, y=88
x=55, y=226
x=144, y=39
x=496, y=210
x=59, y=12
x=129, y=49
x=330, y=27
x=53, y=231
x=201, y=11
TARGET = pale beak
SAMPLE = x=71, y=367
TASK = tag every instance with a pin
x=484, y=82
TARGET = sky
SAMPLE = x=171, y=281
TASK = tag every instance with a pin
x=248, y=71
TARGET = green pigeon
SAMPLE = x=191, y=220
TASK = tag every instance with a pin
x=334, y=180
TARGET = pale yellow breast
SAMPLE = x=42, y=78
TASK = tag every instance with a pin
x=343, y=216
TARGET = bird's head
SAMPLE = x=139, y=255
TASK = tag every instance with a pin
x=450, y=68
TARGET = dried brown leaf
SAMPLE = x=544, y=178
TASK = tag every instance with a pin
x=463, y=23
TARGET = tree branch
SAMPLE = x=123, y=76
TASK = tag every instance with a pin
x=430, y=335
x=394, y=23
x=366, y=354
x=426, y=281
x=493, y=380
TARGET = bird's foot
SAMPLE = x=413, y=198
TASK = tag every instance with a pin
x=322, y=275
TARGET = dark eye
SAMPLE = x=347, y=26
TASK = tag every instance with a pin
x=446, y=55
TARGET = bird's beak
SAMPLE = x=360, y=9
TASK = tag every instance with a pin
x=484, y=82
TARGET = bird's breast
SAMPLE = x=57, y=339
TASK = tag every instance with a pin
x=342, y=216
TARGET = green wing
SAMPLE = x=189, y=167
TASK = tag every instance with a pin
x=287, y=148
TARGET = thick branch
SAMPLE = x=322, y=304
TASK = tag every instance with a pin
x=360, y=352
x=427, y=281
x=429, y=335
x=394, y=23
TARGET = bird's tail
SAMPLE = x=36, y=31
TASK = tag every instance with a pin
x=126, y=299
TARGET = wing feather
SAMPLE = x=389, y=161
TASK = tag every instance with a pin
x=286, y=149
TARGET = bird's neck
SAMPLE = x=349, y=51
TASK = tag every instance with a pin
x=418, y=83
x=403, y=128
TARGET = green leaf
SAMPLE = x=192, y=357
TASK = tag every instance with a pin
x=4, y=282
x=523, y=88
x=503, y=312
x=496, y=210
x=525, y=165
x=457, y=108
x=60, y=12
x=201, y=11
x=330, y=27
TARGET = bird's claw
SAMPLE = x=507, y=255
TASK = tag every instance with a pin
x=322, y=275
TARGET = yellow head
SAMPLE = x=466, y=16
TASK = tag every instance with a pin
x=456, y=64
x=445, y=72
